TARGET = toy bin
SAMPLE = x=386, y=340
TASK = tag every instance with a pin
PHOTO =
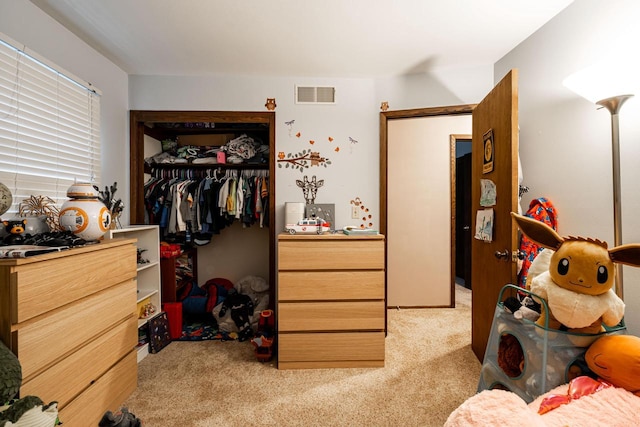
x=528, y=359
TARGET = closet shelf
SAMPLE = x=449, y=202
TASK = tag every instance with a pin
x=207, y=128
x=145, y=320
x=142, y=267
x=142, y=295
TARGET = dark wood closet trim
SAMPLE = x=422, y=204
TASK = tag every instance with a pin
x=137, y=120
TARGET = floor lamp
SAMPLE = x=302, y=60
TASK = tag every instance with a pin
x=613, y=104
x=591, y=83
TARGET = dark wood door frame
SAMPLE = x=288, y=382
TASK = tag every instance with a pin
x=407, y=114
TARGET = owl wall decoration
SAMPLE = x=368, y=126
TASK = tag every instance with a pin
x=270, y=104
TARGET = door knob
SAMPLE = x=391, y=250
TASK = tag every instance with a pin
x=466, y=227
x=503, y=255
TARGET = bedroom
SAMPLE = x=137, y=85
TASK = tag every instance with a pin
x=555, y=124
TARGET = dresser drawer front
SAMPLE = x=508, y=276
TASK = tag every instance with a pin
x=330, y=285
x=73, y=278
x=108, y=393
x=63, y=381
x=335, y=347
x=331, y=316
x=331, y=255
x=39, y=341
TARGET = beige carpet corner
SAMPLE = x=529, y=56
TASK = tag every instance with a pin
x=429, y=371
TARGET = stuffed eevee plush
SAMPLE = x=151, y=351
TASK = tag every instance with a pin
x=578, y=284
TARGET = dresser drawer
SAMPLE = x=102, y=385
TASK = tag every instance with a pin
x=48, y=338
x=330, y=347
x=330, y=285
x=68, y=279
x=331, y=254
x=107, y=393
x=331, y=316
x=63, y=380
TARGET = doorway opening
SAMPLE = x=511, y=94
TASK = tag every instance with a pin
x=461, y=209
x=443, y=122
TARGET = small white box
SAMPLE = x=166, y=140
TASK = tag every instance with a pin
x=294, y=212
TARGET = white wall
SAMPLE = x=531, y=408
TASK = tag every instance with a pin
x=26, y=24
x=436, y=88
x=565, y=142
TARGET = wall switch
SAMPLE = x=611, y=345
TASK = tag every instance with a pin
x=354, y=212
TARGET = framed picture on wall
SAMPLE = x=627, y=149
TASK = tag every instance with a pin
x=489, y=151
x=326, y=211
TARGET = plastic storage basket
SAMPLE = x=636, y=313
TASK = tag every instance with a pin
x=550, y=357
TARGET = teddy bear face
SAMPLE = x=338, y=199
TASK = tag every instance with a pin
x=15, y=226
x=582, y=266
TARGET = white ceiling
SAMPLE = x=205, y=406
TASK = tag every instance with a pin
x=321, y=38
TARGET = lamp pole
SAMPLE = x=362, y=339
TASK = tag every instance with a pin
x=614, y=104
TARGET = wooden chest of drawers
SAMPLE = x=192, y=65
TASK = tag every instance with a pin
x=331, y=301
x=70, y=317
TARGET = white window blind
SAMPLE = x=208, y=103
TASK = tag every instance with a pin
x=49, y=127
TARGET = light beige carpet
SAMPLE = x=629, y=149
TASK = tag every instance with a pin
x=429, y=371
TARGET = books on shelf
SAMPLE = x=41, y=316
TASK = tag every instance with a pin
x=356, y=231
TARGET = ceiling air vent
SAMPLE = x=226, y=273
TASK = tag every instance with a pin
x=315, y=95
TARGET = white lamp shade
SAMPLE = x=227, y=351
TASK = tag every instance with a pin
x=604, y=80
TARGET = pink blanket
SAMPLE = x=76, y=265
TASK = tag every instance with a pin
x=611, y=407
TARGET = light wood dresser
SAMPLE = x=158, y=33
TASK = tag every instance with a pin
x=70, y=317
x=331, y=301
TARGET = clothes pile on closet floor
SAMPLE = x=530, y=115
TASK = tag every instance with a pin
x=221, y=310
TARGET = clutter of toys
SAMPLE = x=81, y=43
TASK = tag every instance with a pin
x=542, y=332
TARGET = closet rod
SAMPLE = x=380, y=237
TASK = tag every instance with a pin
x=216, y=173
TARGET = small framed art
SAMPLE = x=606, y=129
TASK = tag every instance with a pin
x=487, y=139
x=326, y=211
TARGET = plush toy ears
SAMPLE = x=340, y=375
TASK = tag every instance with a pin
x=626, y=254
x=538, y=231
x=547, y=237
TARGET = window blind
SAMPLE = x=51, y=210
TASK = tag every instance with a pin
x=49, y=127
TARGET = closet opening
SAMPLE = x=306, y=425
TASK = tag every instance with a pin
x=194, y=147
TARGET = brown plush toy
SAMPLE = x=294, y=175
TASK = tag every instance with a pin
x=578, y=284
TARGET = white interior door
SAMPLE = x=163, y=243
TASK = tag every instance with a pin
x=419, y=209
